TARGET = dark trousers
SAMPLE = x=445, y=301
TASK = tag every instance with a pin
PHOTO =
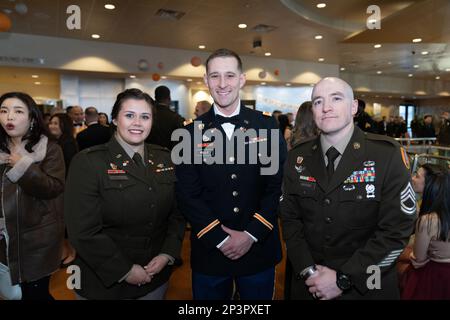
x=36, y=290
x=259, y=286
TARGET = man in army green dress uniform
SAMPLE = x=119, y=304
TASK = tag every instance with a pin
x=348, y=207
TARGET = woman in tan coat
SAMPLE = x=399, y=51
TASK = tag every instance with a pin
x=32, y=183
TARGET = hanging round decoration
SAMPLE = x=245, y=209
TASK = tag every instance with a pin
x=196, y=61
x=5, y=22
x=276, y=72
x=143, y=65
x=262, y=74
x=156, y=77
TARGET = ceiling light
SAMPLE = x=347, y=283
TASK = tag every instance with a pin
x=37, y=83
x=288, y=84
x=416, y=66
x=390, y=62
x=163, y=77
x=379, y=72
x=321, y=5
x=132, y=76
x=267, y=54
x=35, y=76
x=321, y=59
x=110, y=6
x=377, y=46
x=448, y=69
x=242, y=26
x=425, y=53
x=95, y=36
x=318, y=37
x=410, y=75
x=417, y=40
x=263, y=83
x=437, y=77
x=202, y=46
x=342, y=69
x=189, y=80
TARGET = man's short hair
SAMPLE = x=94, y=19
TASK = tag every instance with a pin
x=162, y=93
x=91, y=111
x=224, y=53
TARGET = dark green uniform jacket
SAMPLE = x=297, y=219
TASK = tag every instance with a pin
x=362, y=218
x=118, y=215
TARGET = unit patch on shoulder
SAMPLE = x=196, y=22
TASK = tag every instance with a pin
x=267, y=114
x=405, y=158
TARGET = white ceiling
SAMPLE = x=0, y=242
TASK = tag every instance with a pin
x=346, y=39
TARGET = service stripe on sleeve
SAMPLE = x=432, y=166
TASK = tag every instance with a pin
x=208, y=228
x=263, y=221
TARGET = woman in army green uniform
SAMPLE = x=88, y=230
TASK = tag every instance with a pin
x=120, y=209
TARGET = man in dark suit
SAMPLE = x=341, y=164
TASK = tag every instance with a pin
x=348, y=206
x=165, y=120
x=231, y=203
x=95, y=133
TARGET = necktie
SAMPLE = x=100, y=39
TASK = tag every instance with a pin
x=332, y=155
x=233, y=120
x=138, y=161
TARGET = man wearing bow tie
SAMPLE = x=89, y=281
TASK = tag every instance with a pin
x=77, y=115
x=230, y=205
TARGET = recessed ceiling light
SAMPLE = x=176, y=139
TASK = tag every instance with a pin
x=202, y=46
x=321, y=59
x=437, y=77
x=37, y=83
x=424, y=53
x=263, y=83
x=132, y=76
x=379, y=72
x=95, y=36
x=189, y=80
x=318, y=37
x=288, y=84
x=321, y=5
x=342, y=69
x=163, y=77
x=377, y=46
x=242, y=26
x=448, y=69
x=416, y=66
x=267, y=54
x=110, y=6
x=417, y=40
x=410, y=75
x=35, y=76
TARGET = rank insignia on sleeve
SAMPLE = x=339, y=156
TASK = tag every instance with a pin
x=408, y=200
x=405, y=158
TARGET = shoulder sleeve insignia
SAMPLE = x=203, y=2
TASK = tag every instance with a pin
x=185, y=123
x=405, y=157
x=267, y=114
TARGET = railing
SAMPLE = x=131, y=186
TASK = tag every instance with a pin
x=419, y=159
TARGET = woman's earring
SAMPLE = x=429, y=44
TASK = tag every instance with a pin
x=31, y=125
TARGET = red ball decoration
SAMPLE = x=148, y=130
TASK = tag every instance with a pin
x=277, y=72
x=196, y=61
x=156, y=77
x=5, y=22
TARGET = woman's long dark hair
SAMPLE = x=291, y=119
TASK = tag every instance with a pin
x=304, y=126
x=66, y=126
x=436, y=198
x=37, y=127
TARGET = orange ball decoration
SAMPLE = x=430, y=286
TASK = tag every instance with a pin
x=277, y=72
x=196, y=61
x=5, y=22
x=156, y=77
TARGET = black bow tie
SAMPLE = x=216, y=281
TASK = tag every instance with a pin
x=233, y=120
